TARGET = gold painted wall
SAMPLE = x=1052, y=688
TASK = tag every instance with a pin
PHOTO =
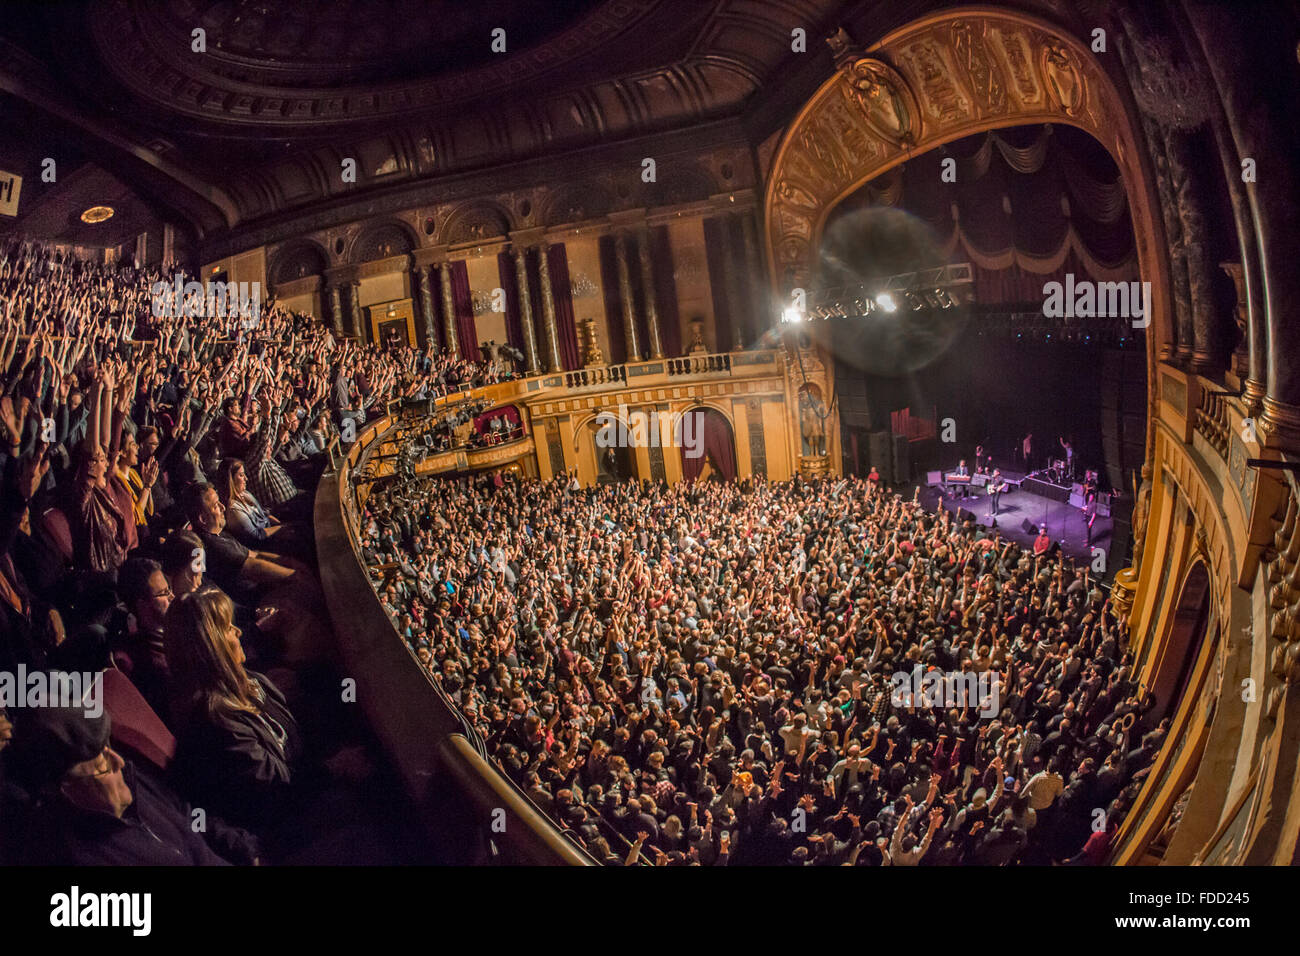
x=484, y=278
x=691, y=269
x=385, y=288
x=583, y=252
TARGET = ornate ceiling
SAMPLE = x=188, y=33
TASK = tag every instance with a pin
x=258, y=124
x=255, y=129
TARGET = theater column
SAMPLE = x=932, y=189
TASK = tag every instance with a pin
x=358, y=328
x=336, y=312
x=450, y=341
x=625, y=291
x=736, y=300
x=426, y=307
x=1258, y=113
x=526, y=311
x=552, y=339
x=648, y=290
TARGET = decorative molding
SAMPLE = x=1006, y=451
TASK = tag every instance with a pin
x=942, y=77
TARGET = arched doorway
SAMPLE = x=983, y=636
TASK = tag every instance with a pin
x=1183, y=646
x=708, y=445
x=612, y=457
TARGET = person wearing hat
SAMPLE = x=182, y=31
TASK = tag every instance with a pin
x=90, y=807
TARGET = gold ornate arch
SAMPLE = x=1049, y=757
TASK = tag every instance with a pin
x=938, y=79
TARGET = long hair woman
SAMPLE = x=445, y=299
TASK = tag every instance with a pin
x=238, y=741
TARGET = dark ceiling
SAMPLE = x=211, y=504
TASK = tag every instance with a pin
x=259, y=123
x=257, y=126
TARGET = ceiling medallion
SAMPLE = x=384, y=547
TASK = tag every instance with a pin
x=97, y=214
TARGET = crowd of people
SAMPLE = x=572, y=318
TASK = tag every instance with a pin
x=696, y=674
x=158, y=469
x=706, y=673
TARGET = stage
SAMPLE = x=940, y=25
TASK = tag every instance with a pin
x=1027, y=500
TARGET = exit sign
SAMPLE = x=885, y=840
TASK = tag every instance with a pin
x=10, y=185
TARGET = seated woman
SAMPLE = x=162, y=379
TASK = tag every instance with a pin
x=238, y=743
x=249, y=522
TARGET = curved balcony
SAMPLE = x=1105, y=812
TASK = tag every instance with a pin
x=467, y=803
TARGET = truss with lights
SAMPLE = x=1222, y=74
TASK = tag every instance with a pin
x=945, y=287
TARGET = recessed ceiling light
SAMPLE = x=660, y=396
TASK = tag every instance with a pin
x=97, y=214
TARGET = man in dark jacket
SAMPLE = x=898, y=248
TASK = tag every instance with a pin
x=92, y=808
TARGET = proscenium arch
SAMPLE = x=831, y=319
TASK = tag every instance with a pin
x=956, y=73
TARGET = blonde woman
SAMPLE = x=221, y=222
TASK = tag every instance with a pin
x=238, y=742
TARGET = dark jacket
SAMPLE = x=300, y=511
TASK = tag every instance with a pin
x=157, y=829
x=233, y=763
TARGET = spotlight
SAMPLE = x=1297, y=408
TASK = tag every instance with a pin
x=886, y=302
x=792, y=314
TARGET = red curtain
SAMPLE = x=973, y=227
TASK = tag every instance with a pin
x=514, y=325
x=562, y=295
x=463, y=305
x=483, y=423
x=717, y=444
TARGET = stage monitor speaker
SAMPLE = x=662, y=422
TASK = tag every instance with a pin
x=979, y=481
x=963, y=516
x=933, y=478
x=1028, y=527
x=879, y=453
x=902, y=460
x=1076, y=499
x=1103, y=506
x=1117, y=554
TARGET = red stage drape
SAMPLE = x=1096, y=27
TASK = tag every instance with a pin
x=661, y=257
x=613, y=300
x=514, y=325
x=565, y=327
x=1028, y=206
x=717, y=443
x=463, y=304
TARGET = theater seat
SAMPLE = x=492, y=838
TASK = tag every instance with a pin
x=135, y=726
x=54, y=525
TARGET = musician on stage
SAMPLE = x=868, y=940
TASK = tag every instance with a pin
x=1027, y=451
x=981, y=460
x=1069, y=459
x=996, y=487
x=963, y=472
x=1090, y=514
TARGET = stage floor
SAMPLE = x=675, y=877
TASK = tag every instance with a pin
x=1065, y=523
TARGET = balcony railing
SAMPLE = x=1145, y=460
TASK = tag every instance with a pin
x=586, y=377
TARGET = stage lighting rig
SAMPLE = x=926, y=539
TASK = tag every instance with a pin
x=945, y=287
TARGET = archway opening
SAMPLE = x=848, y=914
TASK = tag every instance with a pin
x=708, y=447
x=1183, y=647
